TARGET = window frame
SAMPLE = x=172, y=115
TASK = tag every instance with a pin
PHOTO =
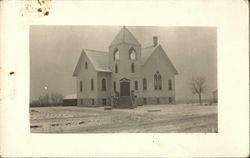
x=136, y=85
x=81, y=86
x=114, y=54
x=144, y=84
x=104, y=86
x=132, y=67
x=131, y=50
x=92, y=84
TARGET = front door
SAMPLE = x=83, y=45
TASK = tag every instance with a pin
x=124, y=88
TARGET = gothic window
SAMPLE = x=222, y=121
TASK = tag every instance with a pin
x=155, y=81
x=114, y=86
x=103, y=84
x=136, y=85
x=80, y=86
x=116, y=54
x=116, y=68
x=132, y=67
x=144, y=84
x=86, y=65
x=170, y=85
x=159, y=82
x=132, y=54
x=92, y=84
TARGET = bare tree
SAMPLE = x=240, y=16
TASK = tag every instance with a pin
x=56, y=99
x=198, y=86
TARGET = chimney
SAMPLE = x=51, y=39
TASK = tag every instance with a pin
x=155, y=41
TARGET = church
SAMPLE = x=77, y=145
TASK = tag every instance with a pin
x=126, y=76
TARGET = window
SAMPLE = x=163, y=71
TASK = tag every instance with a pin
x=86, y=65
x=170, y=100
x=136, y=85
x=116, y=54
x=155, y=81
x=144, y=101
x=92, y=84
x=93, y=101
x=103, y=84
x=144, y=84
x=170, y=85
x=159, y=82
x=114, y=86
x=103, y=101
x=132, y=54
x=132, y=67
x=80, y=86
x=81, y=101
x=158, y=100
x=116, y=68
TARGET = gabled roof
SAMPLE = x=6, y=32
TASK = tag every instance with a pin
x=99, y=60
x=148, y=51
x=124, y=36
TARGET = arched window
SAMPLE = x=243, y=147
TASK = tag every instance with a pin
x=170, y=85
x=92, y=84
x=86, y=65
x=103, y=84
x=116, y=68
x=114, y=86
x=80, y=86
x=132, y=54
x=136, y=85
x=132, y=67
x=155, y=81
x=116, y=54
x=144, y=84
x=159, y=82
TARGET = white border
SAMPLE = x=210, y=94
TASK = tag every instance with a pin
x=229, y=16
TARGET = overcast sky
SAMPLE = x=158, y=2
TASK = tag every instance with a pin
x=54, y=51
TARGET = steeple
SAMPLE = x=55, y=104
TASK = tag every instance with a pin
x=124, y=36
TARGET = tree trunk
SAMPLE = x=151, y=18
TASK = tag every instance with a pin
x=199, y=98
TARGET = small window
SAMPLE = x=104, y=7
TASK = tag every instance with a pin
x=116, y=68
x=155, y=81
x=92, y=84
x=158, y=101
x=86, y=65
x=170, y=85
x=93, y=101
x=103, y=84
x=132, y=54
x=103, y=101
x=159, y=82
x=132, y=67
x=136, y=85
x=80, y=86
x=114, y=86
x=81, y=101
x=144, y=84
x=116, y=54
x=170, y=100
x=144, y=101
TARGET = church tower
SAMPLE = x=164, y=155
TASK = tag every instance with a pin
x=125, y=64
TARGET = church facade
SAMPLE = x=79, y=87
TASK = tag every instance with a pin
x=125, y=76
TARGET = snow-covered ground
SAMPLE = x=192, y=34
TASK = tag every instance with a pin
x=148, y=118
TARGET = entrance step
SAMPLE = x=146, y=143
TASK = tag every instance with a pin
x=124, y=102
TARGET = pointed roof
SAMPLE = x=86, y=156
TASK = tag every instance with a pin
x=99, y=60
x=124, y=36
x=148, y=51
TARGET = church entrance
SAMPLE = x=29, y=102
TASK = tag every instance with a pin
x=124, y=87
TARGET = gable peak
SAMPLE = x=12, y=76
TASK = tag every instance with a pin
x=124, y=36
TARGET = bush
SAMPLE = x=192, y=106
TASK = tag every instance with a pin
x=53, y=99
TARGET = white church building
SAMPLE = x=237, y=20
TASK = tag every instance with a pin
x=126, y=76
